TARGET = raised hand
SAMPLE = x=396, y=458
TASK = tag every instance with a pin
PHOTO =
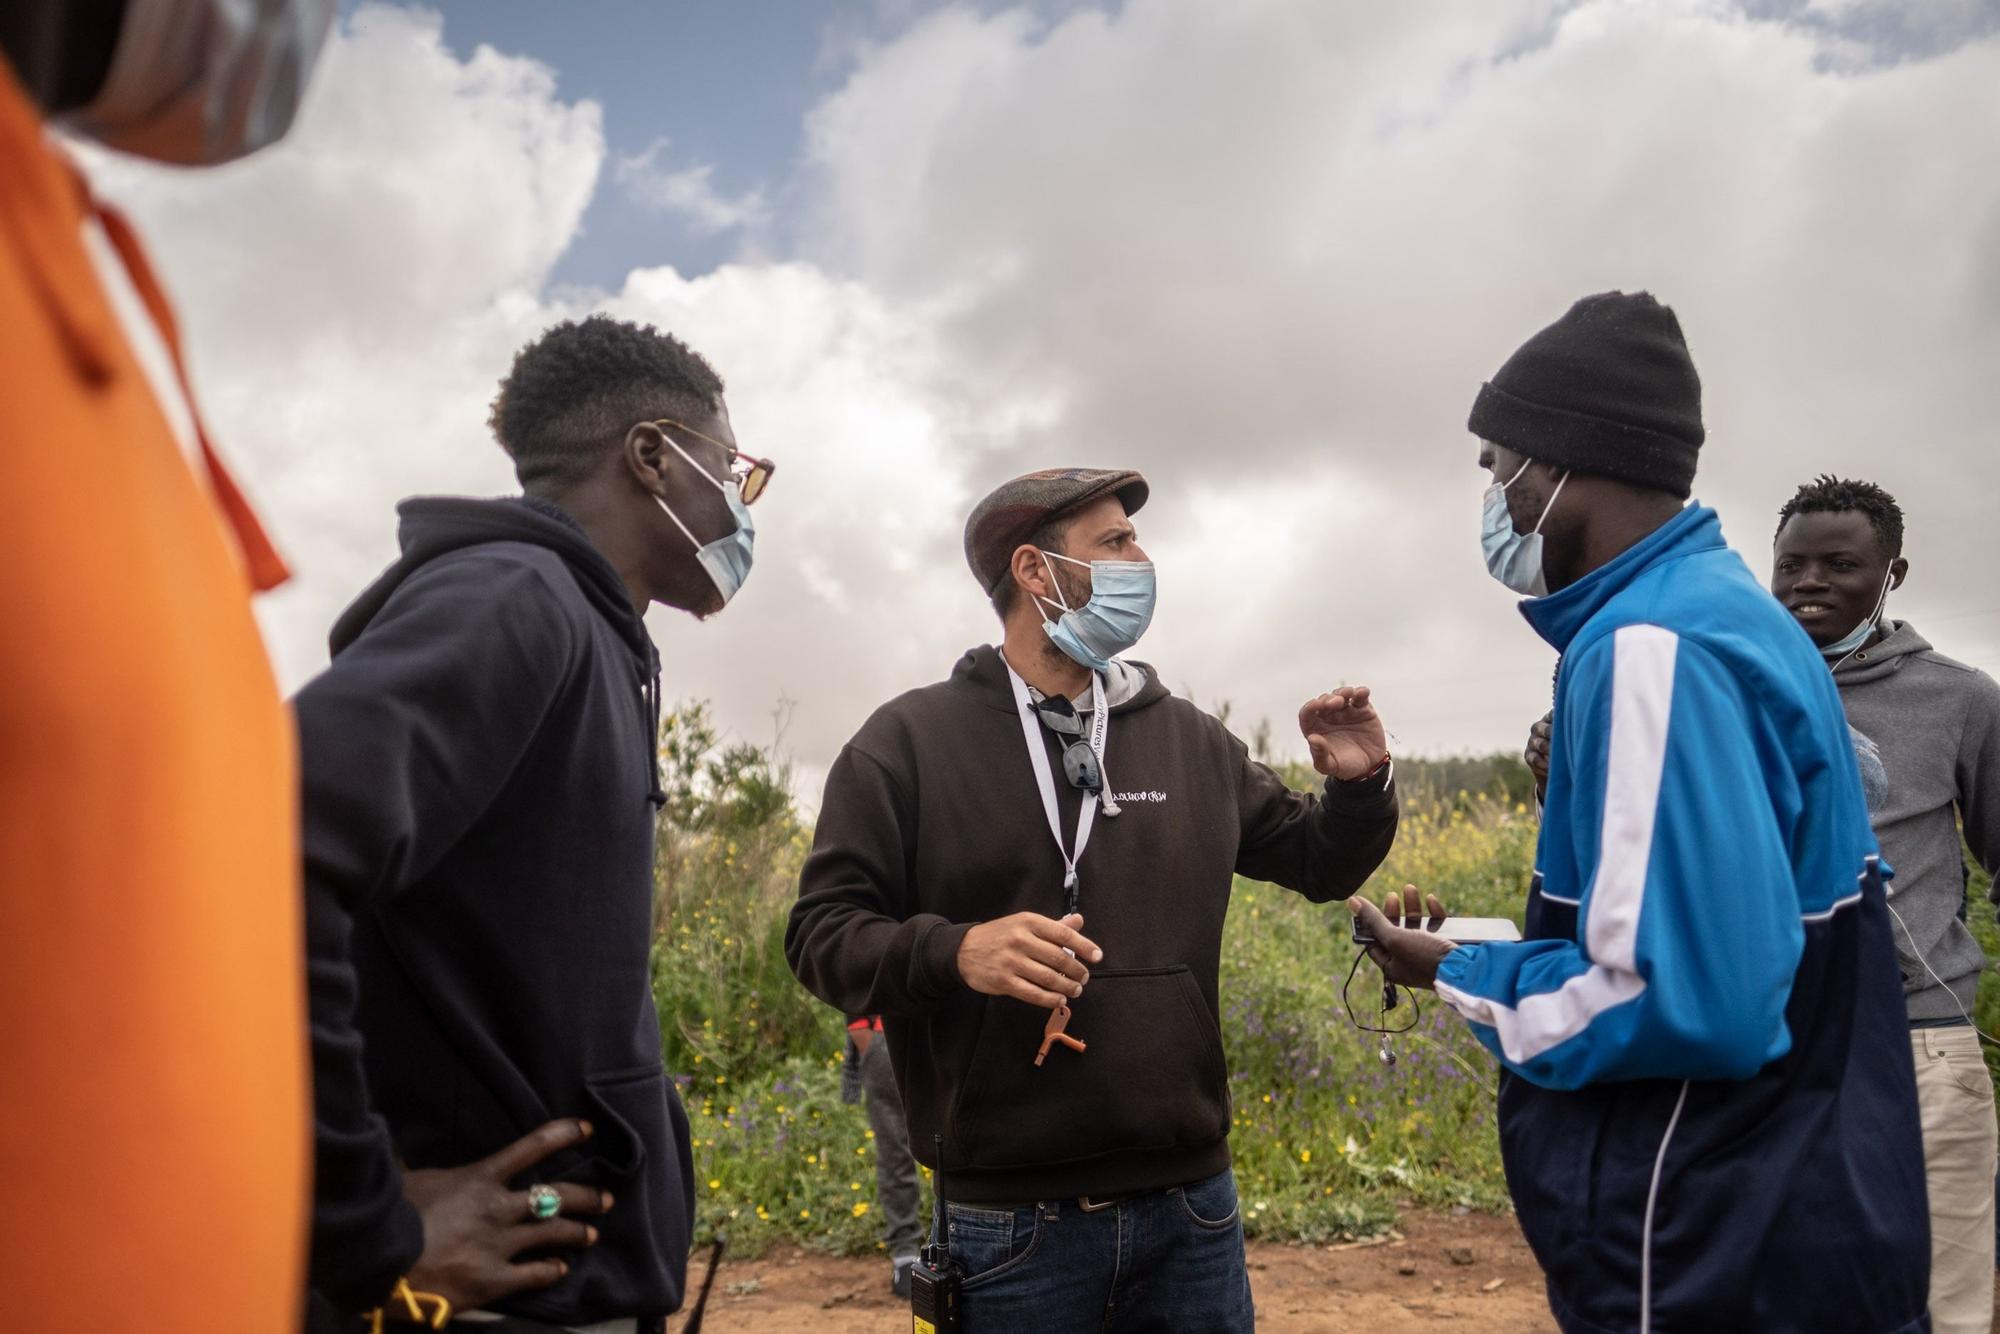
x=474, y=1225
x=1345, y=733
x=1023, y=956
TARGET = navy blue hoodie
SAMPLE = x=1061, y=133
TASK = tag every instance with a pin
x=480, y=787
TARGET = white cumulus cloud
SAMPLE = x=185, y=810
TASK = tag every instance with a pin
x=687, y=192
x=1265, y=252
x=1268, y=251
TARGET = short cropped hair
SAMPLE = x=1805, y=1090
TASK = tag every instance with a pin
x=575, y=392
x=1828, y=494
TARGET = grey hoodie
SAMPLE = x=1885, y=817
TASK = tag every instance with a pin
x=1937, y=725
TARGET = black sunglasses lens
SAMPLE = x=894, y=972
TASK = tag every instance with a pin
x=1060, y=716
x=1080, y=767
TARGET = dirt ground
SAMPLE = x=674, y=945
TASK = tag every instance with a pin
x=1439, y=1270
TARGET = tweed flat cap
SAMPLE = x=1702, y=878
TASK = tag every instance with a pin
x=1007, y=517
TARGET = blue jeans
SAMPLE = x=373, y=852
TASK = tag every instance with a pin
x=1165, y=1260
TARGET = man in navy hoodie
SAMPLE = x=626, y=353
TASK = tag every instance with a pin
x=1708, y=1113
x=480, y=782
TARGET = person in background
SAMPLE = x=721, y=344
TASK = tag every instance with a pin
x=495, y=1131
x=1708, y=1114
x=1837, y=557
x=153, y=1149
x=866, y=1070
x=1070, y=1090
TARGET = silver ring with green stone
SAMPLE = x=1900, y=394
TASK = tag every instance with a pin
x=543, y=1202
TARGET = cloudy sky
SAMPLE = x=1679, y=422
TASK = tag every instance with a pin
x=1263, y=251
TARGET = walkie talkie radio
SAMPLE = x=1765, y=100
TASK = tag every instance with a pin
x=934, y=1282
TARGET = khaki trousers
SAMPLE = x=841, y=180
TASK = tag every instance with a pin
x=1955, y=1099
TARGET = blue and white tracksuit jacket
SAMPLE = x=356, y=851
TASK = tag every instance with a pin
x=1708, y=1116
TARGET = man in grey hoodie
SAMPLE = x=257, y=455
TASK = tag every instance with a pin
x=1936, y=723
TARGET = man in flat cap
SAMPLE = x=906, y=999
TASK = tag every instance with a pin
x=1066, y=1080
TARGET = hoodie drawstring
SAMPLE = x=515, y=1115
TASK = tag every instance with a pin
x=658, y=794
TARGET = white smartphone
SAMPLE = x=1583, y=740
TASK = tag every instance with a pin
x=1459, y=930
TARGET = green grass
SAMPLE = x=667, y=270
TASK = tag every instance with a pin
x=1328, y=1142
x=1979, y=914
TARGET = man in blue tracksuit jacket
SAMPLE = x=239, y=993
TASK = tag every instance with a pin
x=1708, y=1115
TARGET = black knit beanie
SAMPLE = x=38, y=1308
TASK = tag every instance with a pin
x=1609, y=388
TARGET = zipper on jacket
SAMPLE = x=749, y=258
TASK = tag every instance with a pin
x=1653, y=1199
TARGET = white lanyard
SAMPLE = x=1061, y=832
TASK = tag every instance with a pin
x=1038, y=755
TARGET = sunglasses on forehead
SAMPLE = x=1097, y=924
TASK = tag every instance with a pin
x=751, y=475
x=1080, y=764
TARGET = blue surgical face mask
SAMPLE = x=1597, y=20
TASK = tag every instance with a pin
x=205, y=81
x=1120, y=608
x=1515, y=559
x=1838, y=653
x=727, y=559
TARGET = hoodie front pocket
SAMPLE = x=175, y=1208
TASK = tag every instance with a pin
x=631, y=1114
x=1152, y=1078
